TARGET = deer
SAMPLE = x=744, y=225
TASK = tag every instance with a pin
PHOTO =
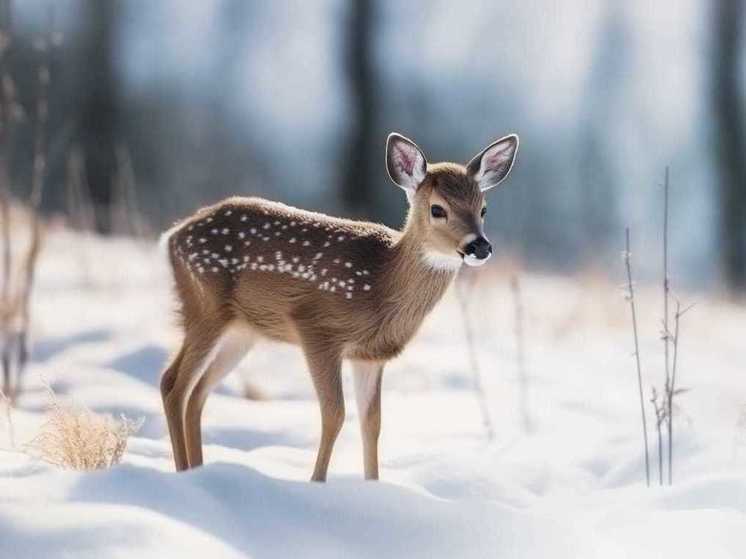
x=247, y=269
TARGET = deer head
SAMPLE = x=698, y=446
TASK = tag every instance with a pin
x=447, y=203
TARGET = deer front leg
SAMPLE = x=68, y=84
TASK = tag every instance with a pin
x=325, y=366
x=368, y=375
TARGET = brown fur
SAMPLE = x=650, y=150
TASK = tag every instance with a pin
x=340, y=289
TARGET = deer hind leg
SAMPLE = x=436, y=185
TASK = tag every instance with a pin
x=325, y=366
x=235, y=342
x=368, y=375
x=197, y=352
x=168, y=382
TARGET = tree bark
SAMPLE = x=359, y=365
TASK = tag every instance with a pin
x=730, y=141
x=358, y=174
x=98, y=118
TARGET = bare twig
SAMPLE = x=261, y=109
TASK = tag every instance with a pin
x=666, y=332
x=660, y=418
x=631, y=299
x=672, y=390
x=461, y=296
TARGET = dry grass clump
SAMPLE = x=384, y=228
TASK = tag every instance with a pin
x=76, y=438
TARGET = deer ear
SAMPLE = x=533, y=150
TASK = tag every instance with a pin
x=405, y=162
x=490, y=167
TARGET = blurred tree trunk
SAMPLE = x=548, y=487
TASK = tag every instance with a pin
x=358, y=174
x=98, y=120
x=603, y=99
x=730, y=130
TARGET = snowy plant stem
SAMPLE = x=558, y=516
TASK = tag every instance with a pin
x=666, y=332
x=677, y=320
x=631, y=297
x=660, y=454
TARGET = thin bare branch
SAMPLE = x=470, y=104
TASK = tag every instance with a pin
x=631, y=299
x=667, y=337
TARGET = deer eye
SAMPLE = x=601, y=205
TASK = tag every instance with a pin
x=484, y=211
x=437, y=211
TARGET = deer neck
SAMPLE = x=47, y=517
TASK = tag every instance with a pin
x=416, y=281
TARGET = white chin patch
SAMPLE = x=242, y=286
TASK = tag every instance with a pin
x=471, y=260
x=440, y=261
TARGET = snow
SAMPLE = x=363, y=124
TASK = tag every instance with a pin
x=563, y=477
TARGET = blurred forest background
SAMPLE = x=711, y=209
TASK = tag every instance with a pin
x=149, y=109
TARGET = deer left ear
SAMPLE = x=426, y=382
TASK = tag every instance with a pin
x=492, y=165
x=405, y=162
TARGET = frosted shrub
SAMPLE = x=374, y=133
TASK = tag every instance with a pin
x=76, y=438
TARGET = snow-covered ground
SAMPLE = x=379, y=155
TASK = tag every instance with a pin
x=563, y=476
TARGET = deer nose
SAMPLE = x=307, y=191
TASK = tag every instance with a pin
x=479, y=248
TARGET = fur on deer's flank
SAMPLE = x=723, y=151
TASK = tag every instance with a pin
x=247, y=268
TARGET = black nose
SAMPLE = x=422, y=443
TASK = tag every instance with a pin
x=479, y=247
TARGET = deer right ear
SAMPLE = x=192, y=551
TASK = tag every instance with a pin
x=490, y=167
x=405, y=163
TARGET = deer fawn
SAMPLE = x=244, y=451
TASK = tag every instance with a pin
x=247, y=268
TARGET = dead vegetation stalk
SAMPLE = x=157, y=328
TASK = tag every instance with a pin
x=631, y=299
x=666, y=331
